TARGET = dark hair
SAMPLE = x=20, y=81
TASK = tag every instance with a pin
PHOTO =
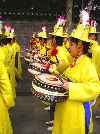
x=75, y=40
x=86, y=48
x=3, y=41
x=8, y=40
x=52, y=36
x=59, y=40
x=45, y=40
x=40, y=38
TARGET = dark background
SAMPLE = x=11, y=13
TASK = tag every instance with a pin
x=81, y=4
x=28, y=9
x=44, y=9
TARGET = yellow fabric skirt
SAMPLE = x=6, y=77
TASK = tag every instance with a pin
x=69, y=118
x=5, y=123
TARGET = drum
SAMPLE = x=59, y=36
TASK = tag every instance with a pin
x=33, y=71
x=36, y=67
x=49, y=88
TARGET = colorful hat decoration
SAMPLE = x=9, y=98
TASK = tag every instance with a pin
x=1, y=27
x=93, y=25
x=84, y=17
x=82, y=30
x=43, y=34
x=59, y=28
x=7, y=28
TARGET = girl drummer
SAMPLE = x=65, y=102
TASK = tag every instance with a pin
x=74, y=115
x=61, y=59
x=42, y=45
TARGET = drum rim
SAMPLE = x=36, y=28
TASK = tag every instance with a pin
x=49, y=98
x=47, y=86
x=31, y=71
x=39, y=69
x=44, y=91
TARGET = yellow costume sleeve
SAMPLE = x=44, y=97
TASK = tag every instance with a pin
x=2, y=55
x=64, y=59
x=96, y=56
x=43, y=51
x=85, y=85
x=6, y=53
x=84, y=91
x=5, y=87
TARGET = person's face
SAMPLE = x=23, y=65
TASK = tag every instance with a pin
x=92, y=37
x=75, y=49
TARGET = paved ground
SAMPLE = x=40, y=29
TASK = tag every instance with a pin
x=29, y=116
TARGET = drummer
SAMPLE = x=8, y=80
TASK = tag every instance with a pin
x=16, y=55
x=6, y=95
x=32, y=43
x=10, y=57
x=60, y=57
x=73, y=115
x=95, y=48
x=42, y=45
x=59, y=54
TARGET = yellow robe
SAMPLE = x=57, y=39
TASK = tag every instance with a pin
x=11, y=68
x=70, y=115
x=5, y=52
x=95, y=48
x=43, y=51
x=64, y=58
x=17, y=49
x=6, y=101
x=2, y=56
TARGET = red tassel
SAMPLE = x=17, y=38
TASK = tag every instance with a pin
x=54, y=51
